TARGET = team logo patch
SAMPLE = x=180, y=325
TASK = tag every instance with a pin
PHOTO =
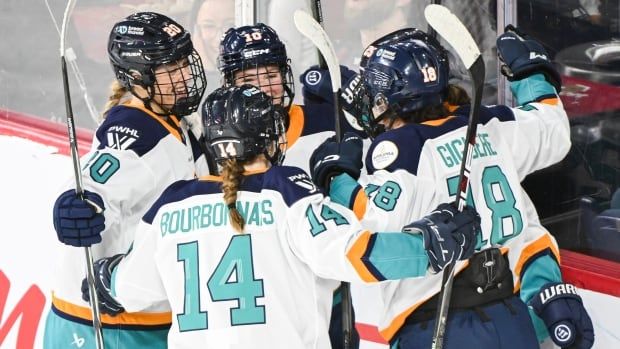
x=121, y=137
x=304, y=181
x=121, y=29
x=563, y=333
x=384, y=154
x=313, y=77
x=77, y=341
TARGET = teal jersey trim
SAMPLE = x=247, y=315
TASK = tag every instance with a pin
x=337, y=297
x=113, y=282
x=531, y=88
x=541, y=271
x=398, y=255
x=63, y=333
x=342, y=189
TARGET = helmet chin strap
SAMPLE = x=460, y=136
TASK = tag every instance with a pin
x=149, y=99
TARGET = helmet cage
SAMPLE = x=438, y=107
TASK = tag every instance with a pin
x=143, y=43
x=248, y=48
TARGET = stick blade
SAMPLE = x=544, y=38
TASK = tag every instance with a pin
x=312, y=30
x=449, y=27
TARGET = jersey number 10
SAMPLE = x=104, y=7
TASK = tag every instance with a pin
x=236, y=264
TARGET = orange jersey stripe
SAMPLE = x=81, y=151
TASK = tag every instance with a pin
x=355, y=255
x=295, y=125
x=159, y=119
x=140, y=318
x=550, y=101
x=398, y=321
x=437, y=122
x=532, y=249
x=360, y=203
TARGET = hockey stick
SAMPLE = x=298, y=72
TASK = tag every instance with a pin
x=449, y=27
x=79, y=189
x=72, y=60
x=317, y=14
x=313, y=30
x=430, y=30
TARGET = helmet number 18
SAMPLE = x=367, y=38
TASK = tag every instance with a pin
x=429, y=73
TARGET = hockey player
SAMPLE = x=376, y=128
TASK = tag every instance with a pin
x=255, y=55
x=141, y=147
x=413, y=163
x=241, y=259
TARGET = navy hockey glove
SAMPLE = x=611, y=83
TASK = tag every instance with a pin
x=332, y=158
x=448, y=234
x=317, y=85
x=79, y=222
x=103, y=274
x=352, y=99
x=568, y=322
x=523, y=56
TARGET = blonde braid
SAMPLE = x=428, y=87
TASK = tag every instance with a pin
x=231, y=178
x=117, y=91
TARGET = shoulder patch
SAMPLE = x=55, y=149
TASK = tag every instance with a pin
x=121, y=137
x=292, y=182
x=384, y=154
x=128, y=128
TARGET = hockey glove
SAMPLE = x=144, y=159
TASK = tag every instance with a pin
x=317, y=85
x=354, y=105
x=568, y=322
x=448, y=234
x=523, y=56
x=103, y=274
x=332, y=158
x=79, y=221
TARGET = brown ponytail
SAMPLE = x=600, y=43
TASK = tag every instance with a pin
x=231, y=178
x=117, y=91
x=457, y=96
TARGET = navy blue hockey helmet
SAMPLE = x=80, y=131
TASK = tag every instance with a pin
x=146, y=45
x=402, y=72
x=243, y=122
x=247, y=48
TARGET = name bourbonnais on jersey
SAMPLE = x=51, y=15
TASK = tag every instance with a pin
x=184, y=220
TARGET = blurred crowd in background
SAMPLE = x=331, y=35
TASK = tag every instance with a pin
x=581, y=36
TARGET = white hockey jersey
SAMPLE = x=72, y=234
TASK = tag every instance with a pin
x=135, y=156
x=414, y=168
x=265, y=287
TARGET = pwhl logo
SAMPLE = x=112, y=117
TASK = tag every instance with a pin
x=29, y=307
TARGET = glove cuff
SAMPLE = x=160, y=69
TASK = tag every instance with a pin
x=550, y=292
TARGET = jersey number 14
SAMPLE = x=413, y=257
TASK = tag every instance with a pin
x=232, y=279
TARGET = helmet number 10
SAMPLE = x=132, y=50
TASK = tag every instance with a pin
x=429, y=73
x=249, y=37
